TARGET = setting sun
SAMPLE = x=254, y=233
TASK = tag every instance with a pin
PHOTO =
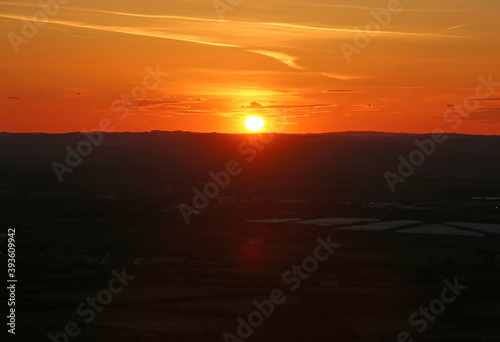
x=254, y=123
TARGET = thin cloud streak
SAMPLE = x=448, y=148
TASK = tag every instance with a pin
x=354, y=7
x=152, y=16
x=123, y=29
x=458, y=26
x=283, y=58
x=283, y=25
x=343, y=77
x=387, y=33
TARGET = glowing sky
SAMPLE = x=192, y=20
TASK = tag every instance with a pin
x=266, y=58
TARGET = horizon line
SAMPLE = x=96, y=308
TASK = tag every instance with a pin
x=250, y=133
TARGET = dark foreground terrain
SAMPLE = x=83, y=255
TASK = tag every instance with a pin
x=233, y=273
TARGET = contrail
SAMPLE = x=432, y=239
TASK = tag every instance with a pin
x=152, y=16
x=459, y=26
x=394, y=33
x=122, y=29
x=283, y=25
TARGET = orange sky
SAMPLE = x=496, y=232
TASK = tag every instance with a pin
x=270, y=58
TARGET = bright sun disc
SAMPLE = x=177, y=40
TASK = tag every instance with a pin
x=254, y=123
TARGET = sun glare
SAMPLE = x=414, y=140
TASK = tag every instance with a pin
x=255, y=123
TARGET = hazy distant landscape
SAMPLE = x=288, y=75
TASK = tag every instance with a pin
x=120, y=208
x=250, y=171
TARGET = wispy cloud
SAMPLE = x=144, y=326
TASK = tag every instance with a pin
x=256, y=105
x=239, y=25
x=424, y=10
x=488, y=115
x=283, y=58
x=489, y=99
x=344, y=30
x=458, y=26
x=343, y=77
x=138, y=15
x=124, y=29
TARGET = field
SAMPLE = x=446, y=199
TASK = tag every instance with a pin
x=119, y=210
